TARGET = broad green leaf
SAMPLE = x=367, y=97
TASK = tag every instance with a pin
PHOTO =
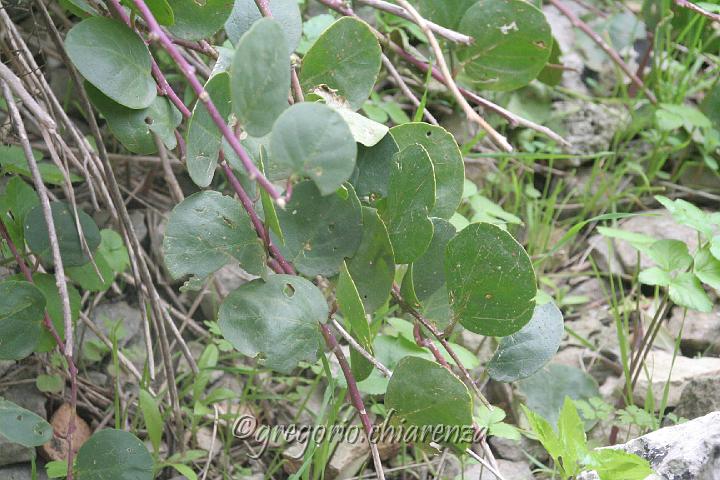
x=260, y=77
x=443, y=12
x=411, y=197
x=268, y=206
x=571, y=430
x=372, y=266
x=313, y=140
x=197, y=20
x=114, y=59
x=428, y=271
x=655, y=276
x=71, y=251
x=160, y=9
x=488, y=211
x=670, y=254
x=134, y=128
x=311, y=31
x=424, y=393
x=715, y=247
x=373, y=166
x=53, y=305
x=21, y=313
x=710, y=105
x=688, y=214
x=447, y=160
x=528, y=350
x=15, y=203
x=490, y=279
x=277, y=319
x=12, y=160
x=114, y=454
x=687, y=291
x=203, y=136
x=22, y=426
x=153, y=419
x=320, y=231
x=81, y=8
x=670, y=116
x=245, y=13
x=552, y=73
x=208, y=230
x=111, y=258
x=544, y=432
x=707, y=268
x=611, y=464
x=639, y=241
x=365, y=131
x=512, y=44
x=353, y=312
x=566, y=381
x=50, y=383
x=345, y=58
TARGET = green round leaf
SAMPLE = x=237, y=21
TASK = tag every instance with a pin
x=320, y=231
x=346, y=58
x=373, y=266
x=114, y=59
x=208, y=230
x=545, y=391
x=114, y=454
x=204, y=137
x=687, y=291
x=444, y=12
x=447, y=161
x=22, y=426
x=313, y=140
x=491, y=281
x=411, y=196
x=425, y=393
x=195, y=20
x=277, y=318
x=286, y=12
x=513, y=42
x=111, y=258
x=160, y=9
x=372, y=171
x=71, y=251
x=552, y=73
x=428, y=271
x=22, y=308
x=134, y=128
x=527, y=351
x=260, y=77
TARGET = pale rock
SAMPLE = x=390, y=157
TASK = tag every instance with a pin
x=21, y=471
x=565, y=34
x=508, y=469
x=348, y=459
x=108, y=314
x=658, y=365
x=699, y=397
x=137, y=218
x=700, y=331
x=590, y=127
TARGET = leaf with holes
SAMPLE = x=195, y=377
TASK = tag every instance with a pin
x=114, y=454
x=353, y=312
x=277, y=318
x=491, y=281
x=260, y=77
x=528, y=350
x=22, y=307
x=206, y=231
x=22, y=426
x=424, y=393
x=72, y=252
x=320, y=231
x=286, y=12
x=203, y=136
x=447, y=160
x=345, y=58
x=411, y=197
x=114, y=59
x=313, y=140
x=373, y=266
x=512, y=44
x=198, y=20
x=134, y=128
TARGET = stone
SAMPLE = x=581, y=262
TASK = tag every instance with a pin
x=590, y=127
x=22, y=471
x=565, y=34
x=348, y=458
x=699, y=397
x=137, y=218
x=508, y=469
x=684, y=369
x=57, y=448
x=700, y=331
x=5, y=366
x=106, y=315
x=507, y=449
x=658, y=224
x=27, y=396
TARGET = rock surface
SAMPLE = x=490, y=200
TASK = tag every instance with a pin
x=108, y=314
x=57, y=448
x=508, y=469
x=700, y=331
x=699, y=397
x=21, y=471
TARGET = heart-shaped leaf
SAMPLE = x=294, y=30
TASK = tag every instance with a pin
x=114, y=59
x=286, y=12
x=197, y=20
x=22, y=307
x=346, y=58
x=114, y=454
x=277, y=318
x=490, y=279
x=528, y=350
x=260, y=77
x=312, y=139
x=22, y=426
x=513, y=42
x=208, y=230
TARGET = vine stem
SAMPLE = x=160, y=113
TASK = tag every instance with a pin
x=188, y=71
x=67, y=348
